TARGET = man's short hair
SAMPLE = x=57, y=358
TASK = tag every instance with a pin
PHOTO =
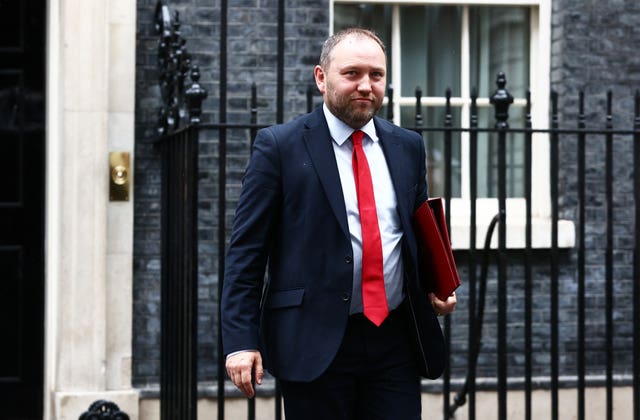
x=333, y=40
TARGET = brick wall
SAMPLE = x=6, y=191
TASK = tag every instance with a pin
x=593, y=47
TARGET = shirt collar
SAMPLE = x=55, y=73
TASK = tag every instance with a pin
x=340, y=132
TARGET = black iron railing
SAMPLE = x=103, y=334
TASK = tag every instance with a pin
x=178, y=142
x=180, y=130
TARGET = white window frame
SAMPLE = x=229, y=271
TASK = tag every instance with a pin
x=539, y=71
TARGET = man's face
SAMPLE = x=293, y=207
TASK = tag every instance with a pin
x=354, y=81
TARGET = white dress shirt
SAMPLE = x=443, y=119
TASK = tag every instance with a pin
x=385, y=196
x=386, y=203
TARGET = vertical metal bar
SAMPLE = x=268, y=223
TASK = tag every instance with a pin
x=280, y=70
x=251, y=406
x=184, y=287
x=191, y=289
x=502, y=275
x=528, y=283
x=178, y=281
x=473, y=191
x=170, y=369
x=175, y=272
x=195, y=137
x=222, y=199
x=636, y=260
x=501, y=99
x=164, y=270
x=554, y=255
x=251, y=402
x=175, y=297
x=194, y=141
x=418, y=119
x=447, y=195
x=581, y=257
x=178, y=315
x=279, y=120
x=609, y=259
x=309, y=98
x=254, y=115
x=390, y=103
x=175, y=290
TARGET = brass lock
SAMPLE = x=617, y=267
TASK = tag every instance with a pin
x=119, y=168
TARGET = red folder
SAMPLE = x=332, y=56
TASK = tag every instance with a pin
x=437, y=267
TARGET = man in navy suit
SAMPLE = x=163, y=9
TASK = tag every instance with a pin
x=298, y=218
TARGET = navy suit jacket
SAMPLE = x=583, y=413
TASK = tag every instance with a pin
x=291, y=220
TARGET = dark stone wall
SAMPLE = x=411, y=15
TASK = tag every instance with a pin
x=593, y=50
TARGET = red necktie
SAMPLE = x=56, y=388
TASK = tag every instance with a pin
x=374, y=298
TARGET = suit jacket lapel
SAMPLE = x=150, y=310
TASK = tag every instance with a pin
x=318, y=141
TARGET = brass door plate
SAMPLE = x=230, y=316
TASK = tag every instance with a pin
x=119, y=176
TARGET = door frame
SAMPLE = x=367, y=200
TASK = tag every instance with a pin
x=90, y=87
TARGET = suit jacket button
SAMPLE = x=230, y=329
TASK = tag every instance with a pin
x=346, y=297
x=348, y=259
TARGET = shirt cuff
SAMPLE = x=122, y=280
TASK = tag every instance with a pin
x=239, y=351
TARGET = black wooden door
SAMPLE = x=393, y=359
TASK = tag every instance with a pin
x=22, y=73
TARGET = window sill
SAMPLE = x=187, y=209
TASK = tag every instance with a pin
x=516, y=237
x=516, y=226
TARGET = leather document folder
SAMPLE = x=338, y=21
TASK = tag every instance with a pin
x=438, y=271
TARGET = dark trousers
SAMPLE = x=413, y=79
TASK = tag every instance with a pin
x=373, y=377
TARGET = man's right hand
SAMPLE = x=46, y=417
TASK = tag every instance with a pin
x=242, y=366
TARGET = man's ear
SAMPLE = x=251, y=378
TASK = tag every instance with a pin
x=319, y=75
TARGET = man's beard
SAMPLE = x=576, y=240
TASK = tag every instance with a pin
x=354, y=116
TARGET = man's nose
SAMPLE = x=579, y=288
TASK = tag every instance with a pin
x=364, y=85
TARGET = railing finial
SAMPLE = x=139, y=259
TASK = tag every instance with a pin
x=180, y=104
x=195, y=95
x=501, y=99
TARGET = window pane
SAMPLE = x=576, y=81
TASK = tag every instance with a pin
x=434, y=144
x=430, y=44
x=499, y=42
x=375, y=17
x=488, y=155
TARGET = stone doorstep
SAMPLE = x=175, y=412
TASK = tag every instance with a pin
x=70, y=405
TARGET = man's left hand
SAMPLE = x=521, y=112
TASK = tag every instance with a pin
x=443, y=307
